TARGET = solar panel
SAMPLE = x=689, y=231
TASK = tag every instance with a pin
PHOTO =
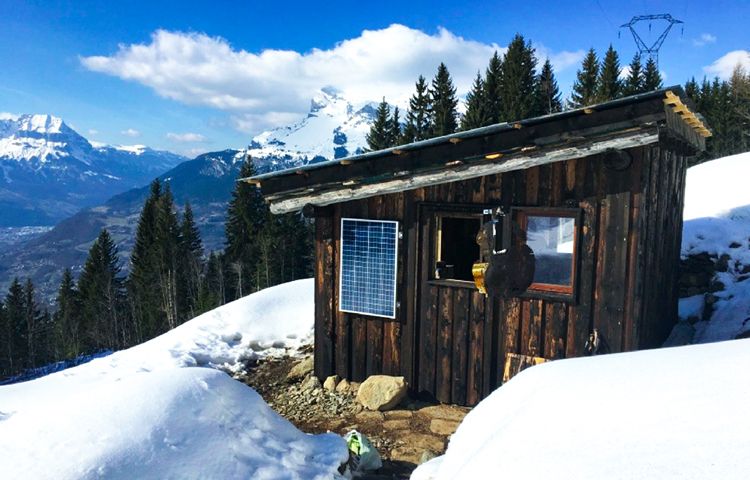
x=368, y=267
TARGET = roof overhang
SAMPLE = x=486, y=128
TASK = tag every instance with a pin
x=617, y=125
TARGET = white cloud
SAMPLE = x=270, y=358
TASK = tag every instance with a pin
x=704, y=39
x=560, y=61
x=8, y=116
x=93, y=131
x=186, y=137
x=268, y=88
x=724, y=65
x=131, y=132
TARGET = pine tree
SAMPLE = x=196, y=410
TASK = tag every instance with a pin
x=15, y=309
x=103, y=323
x=247, y=214
x=36, y=328
x=492, y=90
x=394, y=129
x=190, y=265
x=633, y=84
x=419, y=115
x=518, y=80
x=212, y=288
x=67, y=318
x=739, y=85
x=651, y=76
x=5, y=339
x=476, y=104
x=444, y=103
x=548, y=98
x=379, y=137
x=609, y=85
x=585, y=86
x=143, y=297
x=167, y=250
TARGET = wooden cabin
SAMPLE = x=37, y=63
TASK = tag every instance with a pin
x=596, y=193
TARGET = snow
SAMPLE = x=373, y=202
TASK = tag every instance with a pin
x=332, y=122
x=717, y=221
x=673, y=413
x=140, y=413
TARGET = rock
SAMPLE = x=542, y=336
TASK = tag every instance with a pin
x=442, y=426
x=398, y=414
x=426, y=456
x=368, y=416
x=354, y=387
x=381, y=392
x=343, y=386
x=301, y=369
x=445, y=412
x=735, y=245
x=311, y=383
x=331, y=382
x=396, y=424
x=424, y=441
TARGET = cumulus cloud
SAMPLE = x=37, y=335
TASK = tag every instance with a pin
x=724, y=65
x=186, y=137
x=93, y=131
x=131, y=132
x=270, y=87
x=704, y=39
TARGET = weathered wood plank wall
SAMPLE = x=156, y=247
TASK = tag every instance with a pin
x=450, y=342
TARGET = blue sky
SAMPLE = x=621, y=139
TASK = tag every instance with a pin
x=197, y=76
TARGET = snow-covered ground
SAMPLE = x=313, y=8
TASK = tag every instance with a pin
x=139, y=413
x=717, y=221
x=673, y=413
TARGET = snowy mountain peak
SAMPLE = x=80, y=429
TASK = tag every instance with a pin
x=43, y=124
x=334, y=128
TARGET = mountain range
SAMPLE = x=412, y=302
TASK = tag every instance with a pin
x=48, y=171
x=333, y=128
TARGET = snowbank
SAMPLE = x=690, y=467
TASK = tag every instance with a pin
x=677, y=413
x=138, y=414
x=717, y=221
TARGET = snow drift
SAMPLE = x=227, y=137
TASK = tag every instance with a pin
x=717, y=221
x=676, y=413
x=138, y=414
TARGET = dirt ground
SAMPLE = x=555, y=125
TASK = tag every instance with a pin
x=404, y=437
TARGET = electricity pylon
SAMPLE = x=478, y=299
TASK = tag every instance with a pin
x=652, y=50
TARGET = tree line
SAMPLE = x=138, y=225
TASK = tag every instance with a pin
x=511, y=88
x=170, y=279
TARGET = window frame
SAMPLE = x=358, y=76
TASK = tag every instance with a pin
x=545, y=290
x=435, y=210
x=395, y=268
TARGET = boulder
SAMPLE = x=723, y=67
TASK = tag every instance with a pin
x=343, y=386
x=311, y=383
x=381, y=392
x=331, y=382
x=301, y=369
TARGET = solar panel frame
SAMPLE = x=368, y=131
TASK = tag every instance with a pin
x=364, y=290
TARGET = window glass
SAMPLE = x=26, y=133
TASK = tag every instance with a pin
x=552, y=239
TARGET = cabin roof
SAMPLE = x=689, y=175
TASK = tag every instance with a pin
x=627, y=122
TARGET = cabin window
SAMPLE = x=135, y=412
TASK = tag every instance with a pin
x=553, y=237
x=369, y=252
x=456, y=247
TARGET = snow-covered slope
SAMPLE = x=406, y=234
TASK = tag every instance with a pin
x=675, y=413
x=48, y=170
x=334, y=128
x=717, y=221
x=141, y=413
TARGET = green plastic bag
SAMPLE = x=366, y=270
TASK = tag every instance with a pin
x=365, y=457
